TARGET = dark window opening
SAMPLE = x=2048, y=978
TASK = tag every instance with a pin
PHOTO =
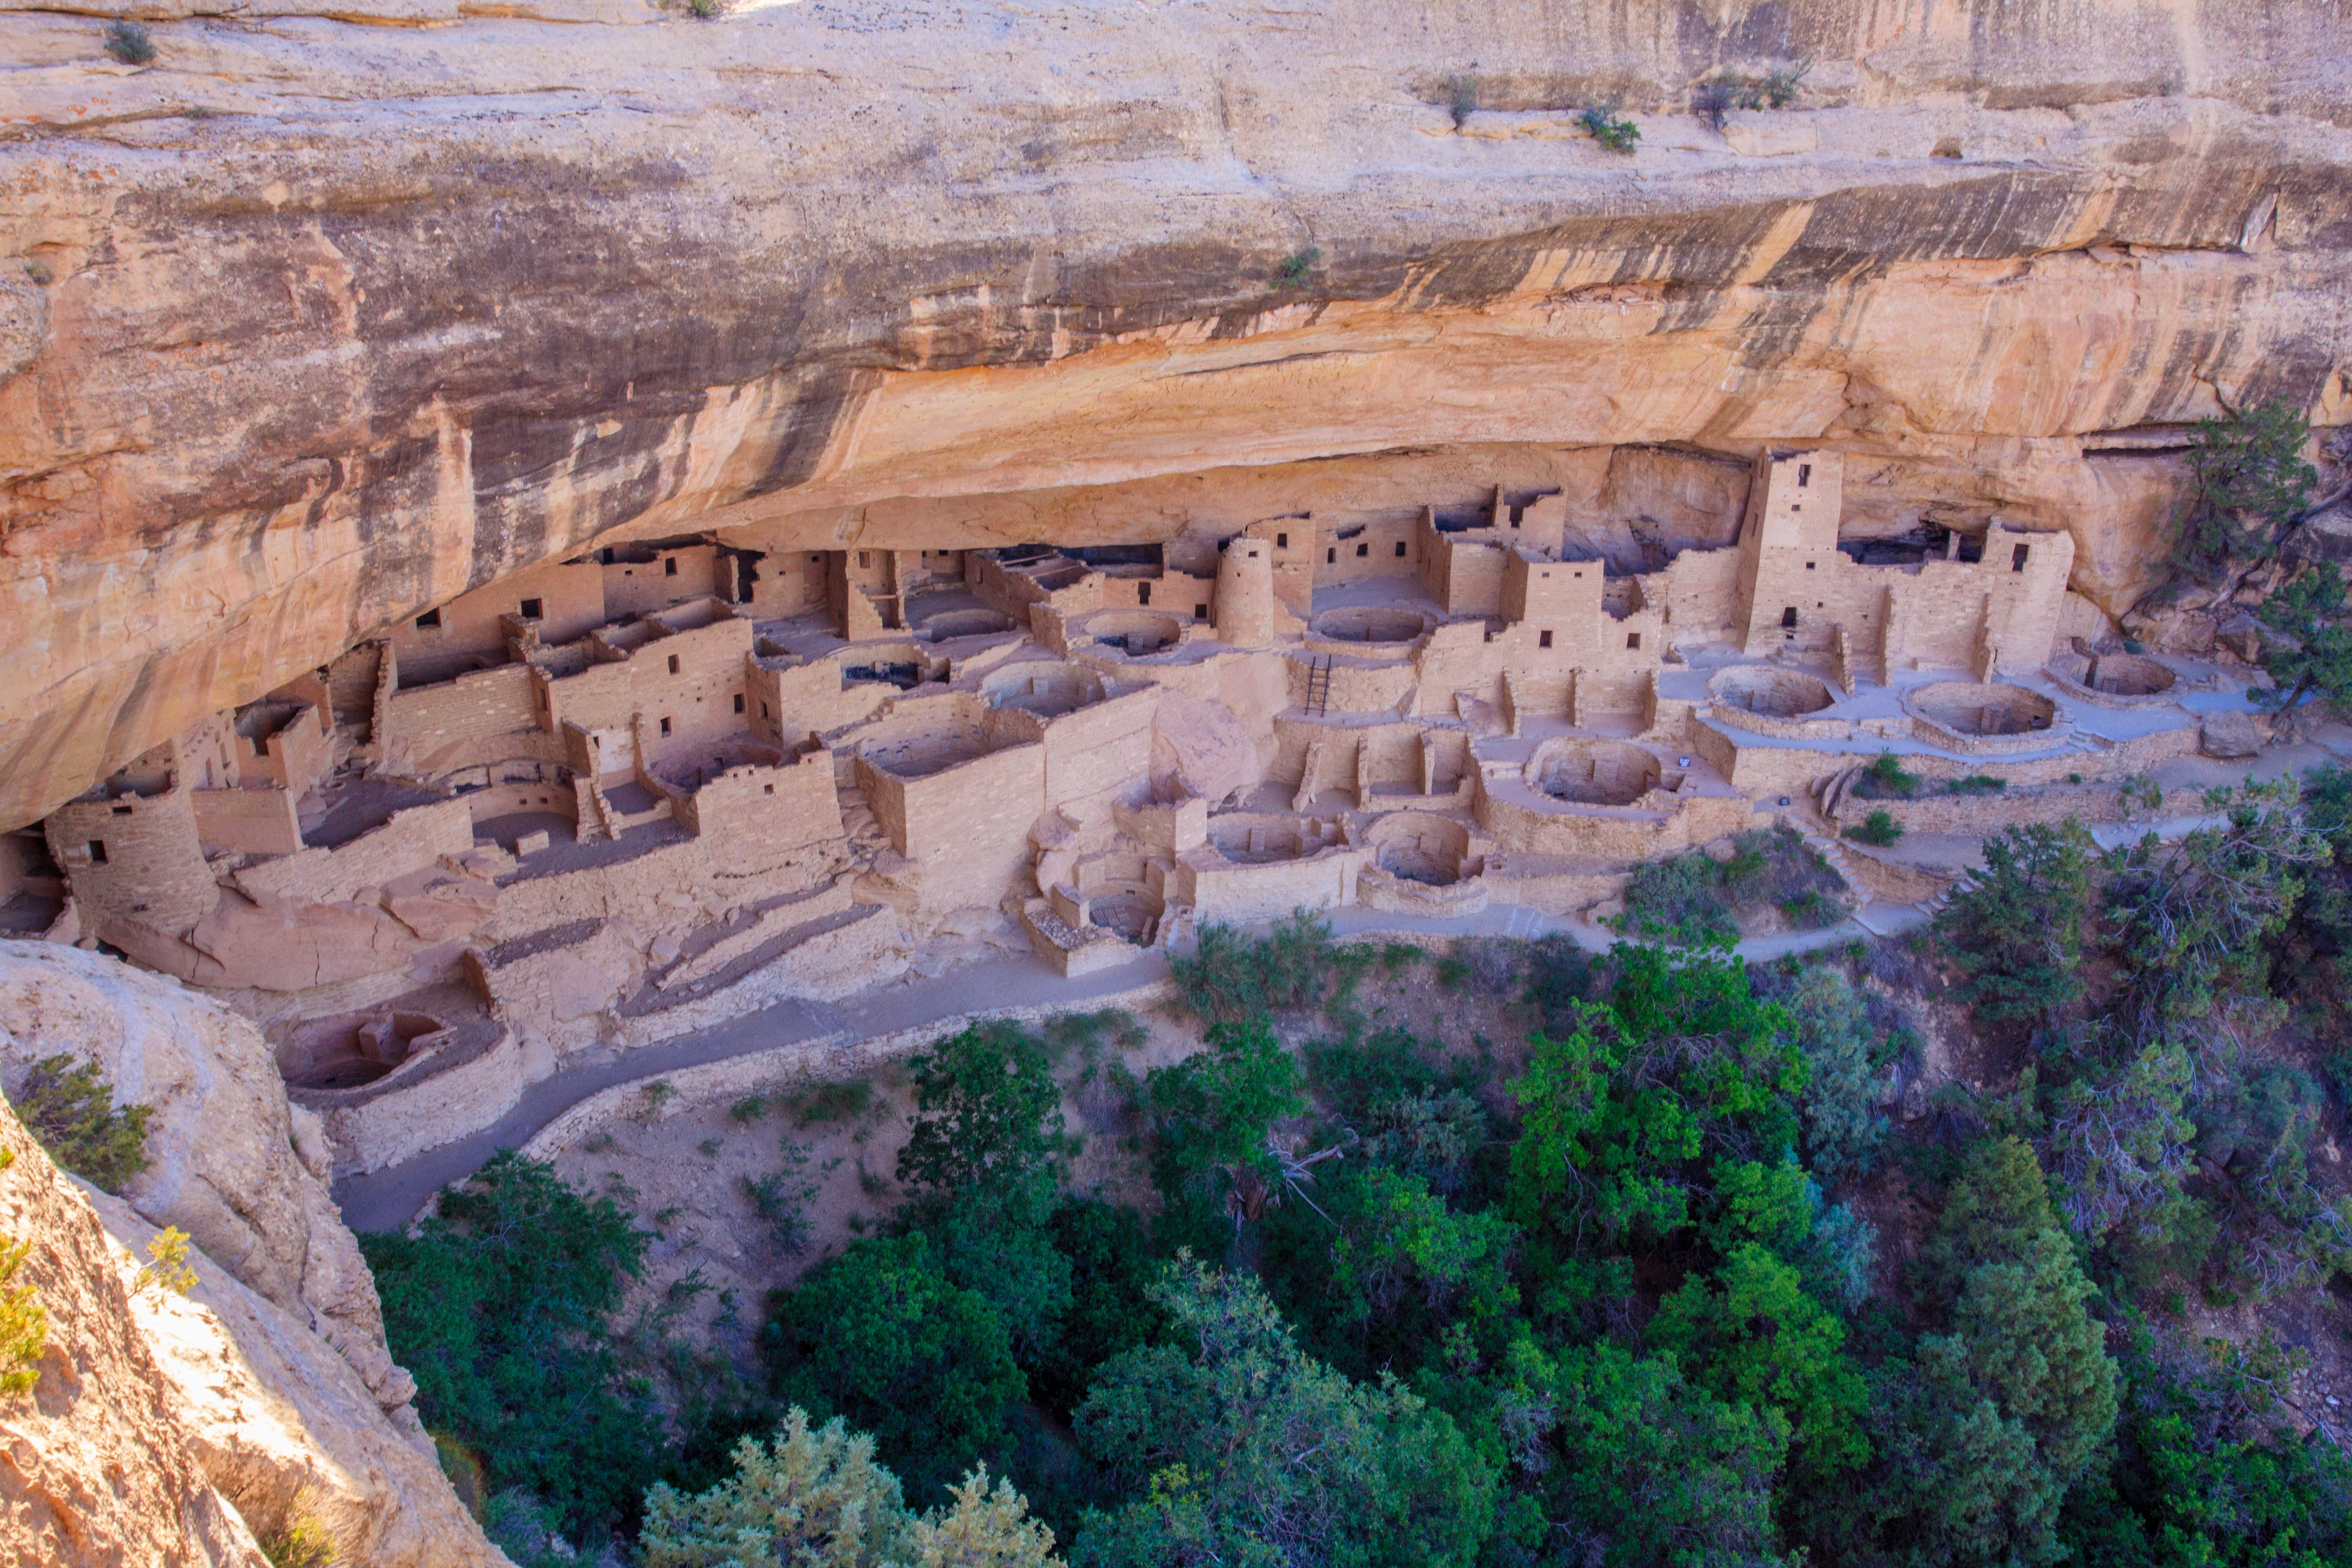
x=1788, y=616
x=1795, y=507
x=1634, y=639
x=97, y=851
x=1808, y=565
x=664, y=726
x=673, y=664
x=123, y=811
x=1804, y=475
x=542, y=699
x=1543, y=639
x=1143, y=593
x=738, y=703
x=2017, y=558
x=531, y=609
x=1331, y=556
x=1362, y=550
x=1200, y=612
x=260, y=749
x=864, y=558
x=1282, y=541
x=764, y=711
x=669, y=566
x=771, y=789
x=430, y=621
x=1400, y=547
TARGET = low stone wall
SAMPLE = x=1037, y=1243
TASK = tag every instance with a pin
x=1553, y=885
x=1390, y=894
x=829, y=964
x=1978, y=815
x=1596, y=835
x=410, y=840
x=455, y=1103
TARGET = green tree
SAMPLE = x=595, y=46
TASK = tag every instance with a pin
x=1844, y=1124
x=1400, y=1249
x=2007, y=1409
x=70, y=1111
x=499, y=1306
x=1209, y=1116
x=817, y=1499
x=882, y=1337
x=1617, y=1111
x=1239, y=1448
x=2308, y=651
x=2250, y=481
x=2194, y=923
x=1751, y=1333
x=2016, y=926
x=987, y=1112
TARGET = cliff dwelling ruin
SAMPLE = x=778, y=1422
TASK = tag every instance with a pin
x=618, y=796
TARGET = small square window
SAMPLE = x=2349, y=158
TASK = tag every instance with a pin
x=1796, y=507
x=1634, y=639
x=2017, y=559
x=1143, y=593
x=125, y=811
x=1362, y=550
x=664, y=726
x=1808, y=565
x=1400, y=548
x=669, y=566
x=1282, y=541
x=97, y=851
x=1788, y=616
x=769, y=790
x=673, y=664
x=738, y=703
x=430, y=621
x=1543, y=639
x=1200, y=612
x=531, y=610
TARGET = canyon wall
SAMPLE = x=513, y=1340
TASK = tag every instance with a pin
x=319, y=319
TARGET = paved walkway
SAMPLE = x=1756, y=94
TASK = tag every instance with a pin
x=383, y=1199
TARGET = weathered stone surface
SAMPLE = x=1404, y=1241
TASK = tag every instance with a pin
x=2228, y=735
x=405, y=308
x=282, y=1425
x=97, y=1467
x=223, y=1165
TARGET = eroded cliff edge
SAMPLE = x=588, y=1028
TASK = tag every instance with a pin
x=311, y=324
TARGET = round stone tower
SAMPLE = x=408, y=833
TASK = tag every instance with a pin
x=1246, y=615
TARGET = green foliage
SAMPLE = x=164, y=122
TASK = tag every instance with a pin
x=1879, y=828
x=812, y=1498
x=1240, y=1449
x=1682, y=899
x=2195, y=923
x=825, y=1104
x=782, y=1199
x=24, y=1323
x=129, y=42
x=1401, y=1249
x=71, y=1111
x=1613, y=131
x=1297, y=269
x=1885, y=779
x=1696, y=899
x=1762, y=1341
x=987, y=1112
x=166, y=1268
x=499, y=1306
x=2208, y=1472
x=2015, y=928
x=1618, y=1109
x=1979, y=783
x=528, y=1531
x=2011, y=1407
x=2251, y=483
x=1461, y=99
x=1209, y=1116
x=300, y=1539
x=2307, y=651
x=1231, y=976
x=704, y=10
x=1111, y=1272
x=882, y=1337
x=1843, y=1124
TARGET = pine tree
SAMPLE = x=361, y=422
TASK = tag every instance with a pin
x=2016, y=927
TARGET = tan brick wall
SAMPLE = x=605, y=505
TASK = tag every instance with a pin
x=637, y=588
x=411, y=840
x=1366, y=551
x=764, y=813
x=154, y=866
x=474, y=720
x=571, y=602
x=254, y=821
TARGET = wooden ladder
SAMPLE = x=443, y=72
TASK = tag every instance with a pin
x=1319, y=683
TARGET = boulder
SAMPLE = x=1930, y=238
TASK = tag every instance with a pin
x=2228, y=735
x=1204, y=748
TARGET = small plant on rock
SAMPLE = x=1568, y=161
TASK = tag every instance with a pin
x=1297, y=270
x=1613, y=131
x=1979, y=783
x=128, y=41
x=24, y=1325
x=705, y=10
x=1885, y=778
x=71, y=1111
x=166, y=1268
x=1879, y=828
x=1461, y=99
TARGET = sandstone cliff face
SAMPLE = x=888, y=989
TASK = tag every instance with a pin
x=96, y=1465
x=273, y=1374
x=311, y=324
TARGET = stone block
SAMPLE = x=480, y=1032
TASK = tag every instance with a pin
x=2228, y=735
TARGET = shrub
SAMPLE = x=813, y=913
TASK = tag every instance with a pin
x=2016, y=926
x=128, y=41
x=24, y=1324
x=1885, y=779
x=705, y=10
x=1605, y=126
x=499, y=1306
x=780, y=1197
x=987, y=1112
x=1683, y=898
x=1844, y=1124
x=1461, y=99
x=1715, y=98
x=1879, y=828
x=1977, y=783
x=166, y=1268
x=1233, y=976
x=825, y=1103
x=1297, y=269
x=70, y=1112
